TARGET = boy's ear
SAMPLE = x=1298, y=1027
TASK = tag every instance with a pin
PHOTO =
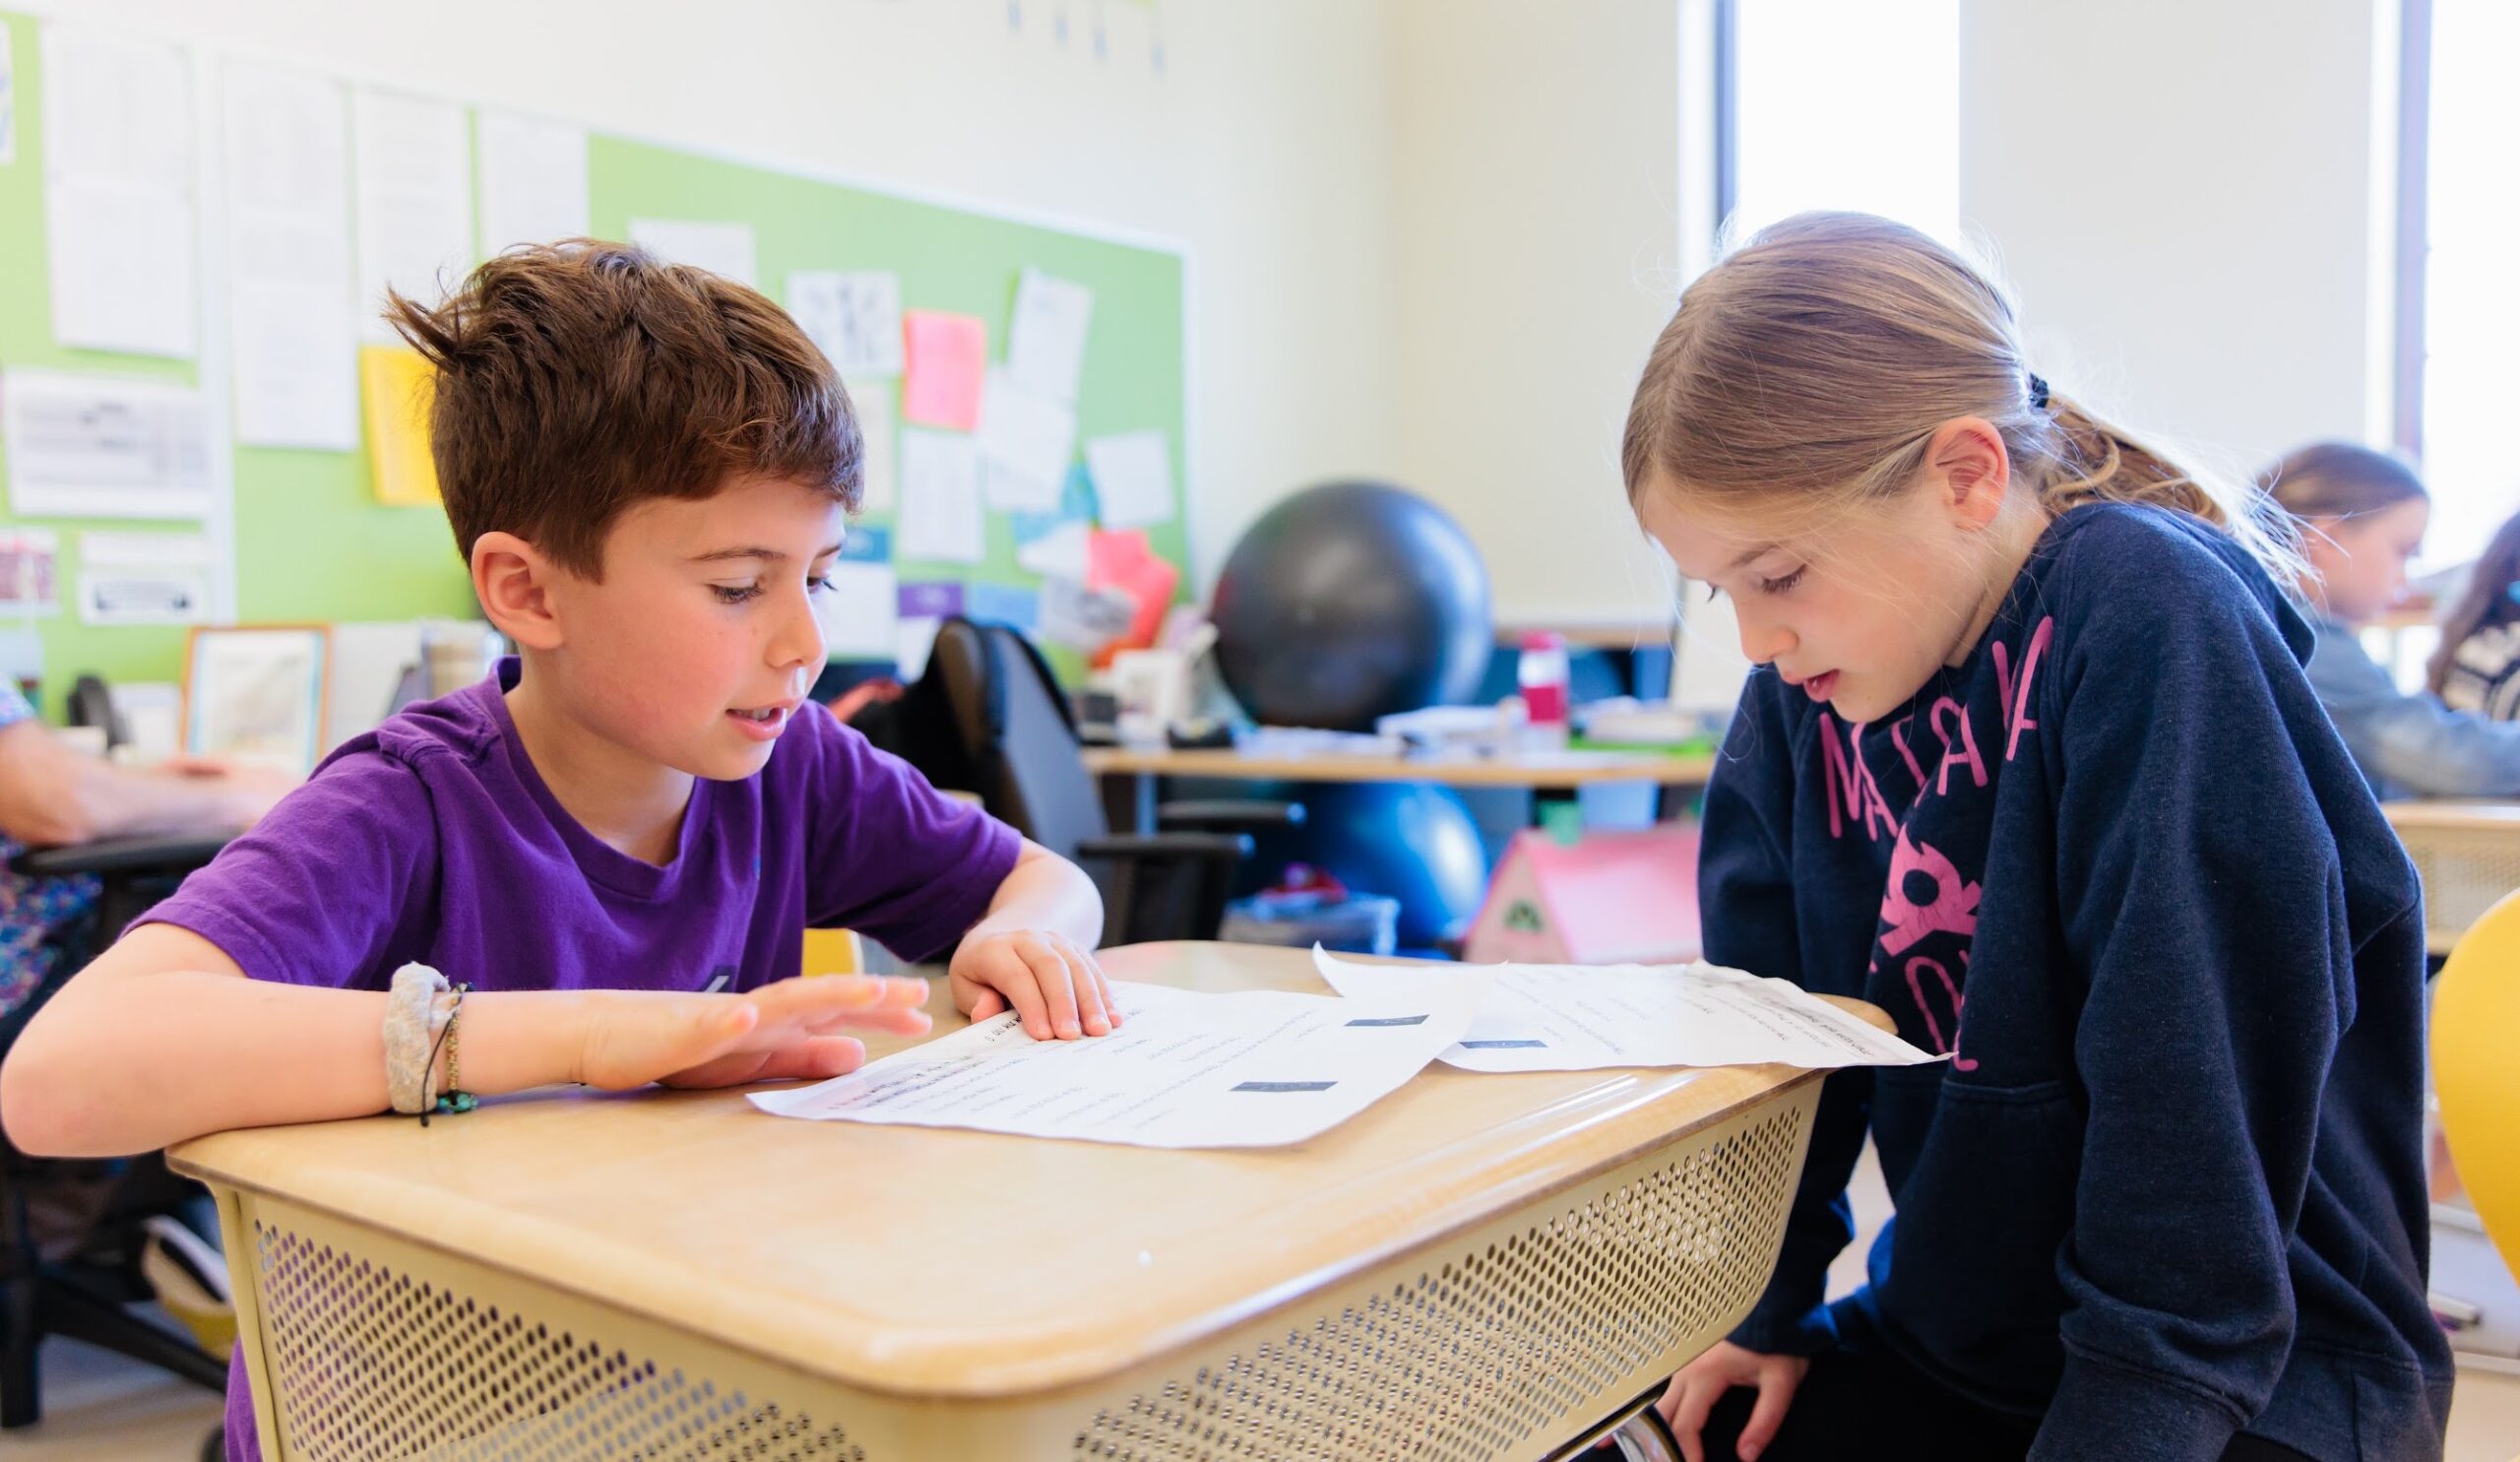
x=514, y=583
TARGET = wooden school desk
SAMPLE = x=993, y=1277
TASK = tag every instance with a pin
x=1478, y=1266
x=2468, y=857
x=1130, y=775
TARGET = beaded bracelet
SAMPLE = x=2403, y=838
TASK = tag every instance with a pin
x=452, y=1101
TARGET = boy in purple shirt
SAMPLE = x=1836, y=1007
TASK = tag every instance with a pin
x=619, y=839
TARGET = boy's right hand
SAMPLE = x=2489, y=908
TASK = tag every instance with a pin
x=790, y=1029
x=1702, y=1382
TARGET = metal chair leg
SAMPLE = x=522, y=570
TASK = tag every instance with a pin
x=1645, y=1437
x=1637, y=1430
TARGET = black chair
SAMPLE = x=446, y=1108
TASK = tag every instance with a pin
x=92, y=703
x=990, y=717
x=88, y=1295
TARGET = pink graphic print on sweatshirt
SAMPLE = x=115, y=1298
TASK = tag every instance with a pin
x=1929, y=905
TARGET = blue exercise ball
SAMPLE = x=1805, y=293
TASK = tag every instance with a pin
x=1349, y=601
x=1414, y=842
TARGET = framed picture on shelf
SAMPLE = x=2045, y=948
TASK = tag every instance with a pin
x=258, y=693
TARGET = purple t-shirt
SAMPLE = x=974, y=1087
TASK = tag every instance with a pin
x=435, y=839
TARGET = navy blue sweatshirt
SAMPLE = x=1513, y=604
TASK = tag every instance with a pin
x=2170, y=1187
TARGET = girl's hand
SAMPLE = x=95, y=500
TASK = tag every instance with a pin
x=1703, y=1382
x=1050, y=981
x=787, y=1028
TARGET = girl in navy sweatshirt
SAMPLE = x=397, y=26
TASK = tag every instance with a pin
x=2028, y=761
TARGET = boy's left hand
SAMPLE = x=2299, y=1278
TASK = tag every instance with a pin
x=1049, y=981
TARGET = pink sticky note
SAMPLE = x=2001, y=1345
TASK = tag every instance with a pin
x=1127, y=562
x=944, y=360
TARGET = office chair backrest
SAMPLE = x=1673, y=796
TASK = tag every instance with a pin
x=2476, y=1009
x=1014, y=726
x=92, y=703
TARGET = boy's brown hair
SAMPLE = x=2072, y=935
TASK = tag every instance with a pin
x=576, y=380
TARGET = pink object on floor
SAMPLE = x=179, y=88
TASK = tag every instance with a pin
x=1611, y=899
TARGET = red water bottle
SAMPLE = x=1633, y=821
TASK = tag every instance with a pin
x=1543, y=673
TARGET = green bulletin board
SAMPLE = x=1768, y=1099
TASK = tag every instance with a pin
x=312, y=544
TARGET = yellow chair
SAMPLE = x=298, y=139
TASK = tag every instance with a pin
x=2475, y=1021
x=834, y=952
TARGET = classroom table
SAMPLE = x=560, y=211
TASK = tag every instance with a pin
x=1130, y=774
x=1478, y=1266
x=2467, y=856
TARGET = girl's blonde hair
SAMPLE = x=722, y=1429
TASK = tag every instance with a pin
x=1811, y=367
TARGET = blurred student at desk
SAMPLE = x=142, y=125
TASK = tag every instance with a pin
x=53, y=795
x=2363, y=515
x=2478, y=667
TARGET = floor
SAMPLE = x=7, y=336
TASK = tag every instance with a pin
x=101, y=1408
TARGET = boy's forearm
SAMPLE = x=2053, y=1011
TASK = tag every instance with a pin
x=139, y=1061
x=1046, y=891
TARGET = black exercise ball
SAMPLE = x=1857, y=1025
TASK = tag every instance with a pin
x=1351, y=600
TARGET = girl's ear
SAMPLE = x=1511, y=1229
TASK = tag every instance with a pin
x=1968, y=467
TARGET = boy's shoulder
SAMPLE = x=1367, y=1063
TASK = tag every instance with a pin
x=465, y=724
x=408, y=770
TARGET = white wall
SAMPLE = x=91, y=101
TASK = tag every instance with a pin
x=1534, y=254
x=1262, y=146
x=1432, y=239
x=2181, y=193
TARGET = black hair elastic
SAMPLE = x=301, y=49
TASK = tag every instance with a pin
x=2037, y=392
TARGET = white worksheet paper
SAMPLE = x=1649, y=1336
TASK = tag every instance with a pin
x=8, y=102
x=533, y=181
x=853, y=317
x=1045, y=338
x=293, y=317
x=1584, y=1017
x=879, y=423
x=1132, y=478
x=414, y=164
x=721, y=248
x=1030, y=435
x=99, y=446
x=144, y=578
x=119, y=170
x=1256, y=1068
x=940, y=519
x=858, y=610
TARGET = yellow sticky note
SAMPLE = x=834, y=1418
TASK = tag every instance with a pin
x=398, y=386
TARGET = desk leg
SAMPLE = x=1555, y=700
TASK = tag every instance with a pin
x=1678, y=802
x=1128, y=802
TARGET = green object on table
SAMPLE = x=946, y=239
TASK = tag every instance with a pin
x=1693, y=746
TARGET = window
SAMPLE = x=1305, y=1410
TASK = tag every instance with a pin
x=1841, y=104
x=2461, y=372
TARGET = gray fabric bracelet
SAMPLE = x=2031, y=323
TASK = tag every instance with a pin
x=411, y=1014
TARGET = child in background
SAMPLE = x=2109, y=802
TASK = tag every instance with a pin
x=2030, y=737
x=52, y=794
x=2477, y=670
x=2362, y=516
x=617, y=840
